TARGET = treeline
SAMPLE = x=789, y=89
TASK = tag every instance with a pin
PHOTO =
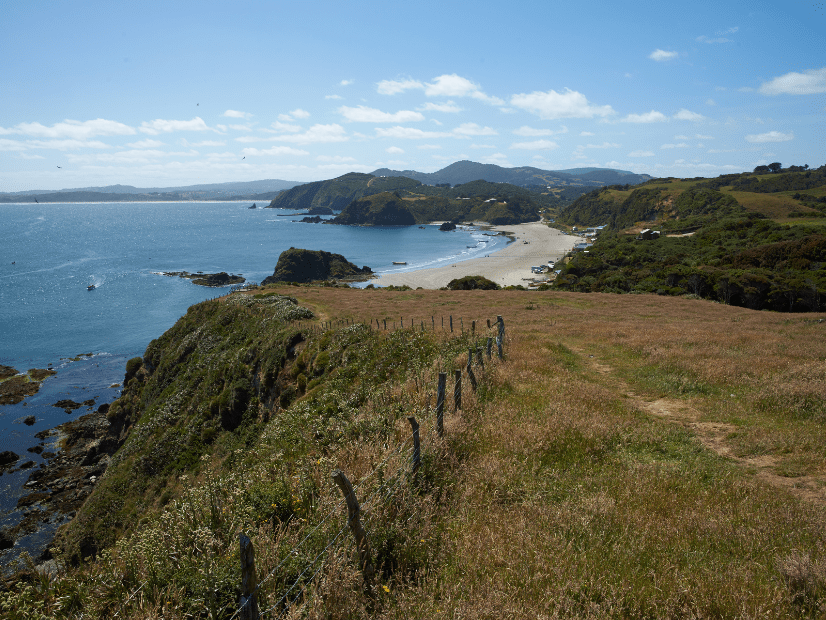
x=794, y=178
x=742, y=261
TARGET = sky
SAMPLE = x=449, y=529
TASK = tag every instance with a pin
x=160, y=94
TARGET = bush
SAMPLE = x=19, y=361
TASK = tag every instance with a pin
x=470, y=283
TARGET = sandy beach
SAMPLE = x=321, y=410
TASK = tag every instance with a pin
x=507, y=267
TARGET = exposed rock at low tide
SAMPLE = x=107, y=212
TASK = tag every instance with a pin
x=297, y=265
x=15, y=387
x=208, y=279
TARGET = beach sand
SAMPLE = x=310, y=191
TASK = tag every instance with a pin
x=507, y=267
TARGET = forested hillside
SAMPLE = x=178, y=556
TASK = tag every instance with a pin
x=752, y=239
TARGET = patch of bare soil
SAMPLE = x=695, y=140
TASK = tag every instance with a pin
x=713, y=435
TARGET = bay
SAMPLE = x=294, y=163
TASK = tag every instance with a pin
x=50, y=253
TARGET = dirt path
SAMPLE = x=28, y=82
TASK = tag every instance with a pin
x=713, y=435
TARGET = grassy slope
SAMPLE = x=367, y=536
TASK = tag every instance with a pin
x=633, y=456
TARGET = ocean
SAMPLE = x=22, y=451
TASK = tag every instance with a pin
x=51, y=253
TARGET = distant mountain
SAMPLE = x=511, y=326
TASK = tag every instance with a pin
x=526, y=176
x=252, y=190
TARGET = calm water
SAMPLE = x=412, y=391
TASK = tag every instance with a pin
x=50, y=253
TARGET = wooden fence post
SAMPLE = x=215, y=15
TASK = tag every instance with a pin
x=469, y=357
x=490, y=347
x=440, y=404
x=488, y=323
x=433, y=321
x=249, y=582
x=385, y=324
x=472, y=328
x=451, y=323
x=417, y=455
x=353, y=520
x=457, y=391
x=500, y=334
x=479, y=357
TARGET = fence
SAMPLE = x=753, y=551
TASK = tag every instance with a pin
x=250, y=586
x=431, y=420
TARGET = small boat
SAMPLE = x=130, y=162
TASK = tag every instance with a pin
x=398, y=262
x=422, y=227
x=91, y=287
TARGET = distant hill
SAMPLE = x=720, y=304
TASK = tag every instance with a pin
x=526, y=176
x=753, y=240
x=237, y=190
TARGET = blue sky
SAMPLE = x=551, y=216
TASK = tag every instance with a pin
x=156, y=94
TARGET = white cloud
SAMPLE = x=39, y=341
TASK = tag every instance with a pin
x=276, y=150
x=641, y=154
x=237, y=114
x=393, y=87
x=247, y=127
x=604, y=145
x=408, y=133
x=338, y=159
x=681, y=137
x=700, y=136
x=285, y=127
x=452, y=85
x=649, y=117
x=500, y=159
x=146, y=144
x=552, y=105
x=12, y=145
x=661, y=55
x=440, y=107
x=809, y=82
x=429, y=147
x=345, y=82
x=166, y=126
x=394, y=149
x=317, y=133
x=363, y=114
x=681, y=145
x=687, y=115
x=201, y=143
x=78, y=130
x=299, y=113
x=704, y=39
x=710, y=102
x=333, y=97
x=482, y=146
x=66, y=145
x=586, y=133
x=472, y=129
x=526, y=131
x=535, y=145
x=771, y=136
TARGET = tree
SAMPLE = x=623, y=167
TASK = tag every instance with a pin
x=761, y=170
x=775, y=166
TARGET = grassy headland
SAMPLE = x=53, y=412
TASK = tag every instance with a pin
x=632, y=456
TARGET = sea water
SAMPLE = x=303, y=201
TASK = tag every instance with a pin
x=51, y=253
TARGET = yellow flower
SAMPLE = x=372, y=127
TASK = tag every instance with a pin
x=386, y=589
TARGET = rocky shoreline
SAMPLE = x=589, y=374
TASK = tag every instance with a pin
x=57, y=489
x=207, y=279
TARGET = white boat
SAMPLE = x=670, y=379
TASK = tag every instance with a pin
x=398, y=262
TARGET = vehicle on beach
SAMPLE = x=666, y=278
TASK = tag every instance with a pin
x=91, y=287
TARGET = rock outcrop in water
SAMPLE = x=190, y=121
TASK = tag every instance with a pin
x=297, y=265
x=385, y=209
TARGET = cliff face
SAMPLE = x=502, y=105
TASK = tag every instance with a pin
x=297, y=265
x=384, y=209
x=208, y=383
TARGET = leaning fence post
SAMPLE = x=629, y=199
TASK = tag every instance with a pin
x=354, y=522
x=440, y=404
x=249, y=582
x=479, y=359
x=469, y=357
x=457, y=391
x=470, y=374
x=417, y=455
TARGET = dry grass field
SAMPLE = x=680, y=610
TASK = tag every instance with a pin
x=631, y=457
x=635, y=456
